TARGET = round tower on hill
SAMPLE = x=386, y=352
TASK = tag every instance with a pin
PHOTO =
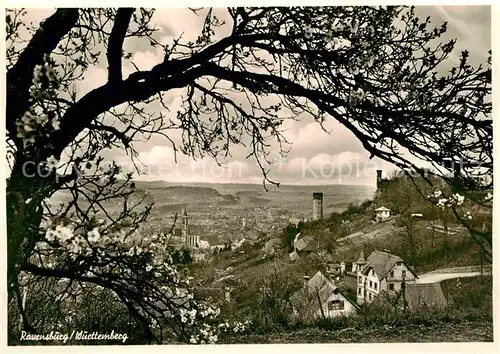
x=317, y=206
x=379, y=177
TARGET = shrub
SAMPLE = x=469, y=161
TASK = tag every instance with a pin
x=96, y=310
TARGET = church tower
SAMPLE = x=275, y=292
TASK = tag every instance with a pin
x=185, y=226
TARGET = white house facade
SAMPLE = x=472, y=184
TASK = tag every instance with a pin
x=336, y=305
x=382, y=213
x=383, y=271
x=319, y=290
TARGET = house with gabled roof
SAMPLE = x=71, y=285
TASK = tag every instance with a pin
x=382, y=213
x=303, y=246
x=319, y=298
x=382, y=271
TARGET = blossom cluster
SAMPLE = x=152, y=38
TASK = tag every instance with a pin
x=44, y=75
x=192, y=314
x=144, y=256
x=236, y=327
x=30, y=124
x=207, y=335
x=443, y=202
x=197, y=318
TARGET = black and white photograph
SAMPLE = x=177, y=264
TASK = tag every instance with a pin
x=248, y=175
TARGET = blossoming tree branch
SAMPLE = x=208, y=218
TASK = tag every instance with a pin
x=376, y=70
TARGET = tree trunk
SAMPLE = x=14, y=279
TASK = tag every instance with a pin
x=23, y=220
x=445, y=238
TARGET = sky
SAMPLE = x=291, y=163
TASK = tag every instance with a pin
x=316, y=157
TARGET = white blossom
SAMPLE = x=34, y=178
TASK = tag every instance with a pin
x=50, y=235
x=56, y=124
x=442, y=202
x=51, y=162
x=458, y=198
x=60, y=233
x=93, y=235
x=308, y=32
x=37, y=74
x=75, y=247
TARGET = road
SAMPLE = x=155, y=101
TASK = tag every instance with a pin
x=439, y=277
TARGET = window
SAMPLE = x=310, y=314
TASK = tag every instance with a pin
x=371, y=284
x=403, y=273
x=335, y=305
x=391, y=286
x=392, y=274
x=360, y=279
x=370, y=296
x=359, y=291
x=375, y=285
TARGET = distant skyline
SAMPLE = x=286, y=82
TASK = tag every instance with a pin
x=315, y=158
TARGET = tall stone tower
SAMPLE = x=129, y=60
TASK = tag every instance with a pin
x=379, y=177
x=317, y=206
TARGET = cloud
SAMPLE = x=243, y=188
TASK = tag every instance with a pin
x=160, y=163
x=93, y=78
x=184, y=22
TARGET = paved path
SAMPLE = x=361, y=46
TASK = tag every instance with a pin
x=439, y=277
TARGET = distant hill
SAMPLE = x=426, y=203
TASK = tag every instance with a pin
x=199, y=192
